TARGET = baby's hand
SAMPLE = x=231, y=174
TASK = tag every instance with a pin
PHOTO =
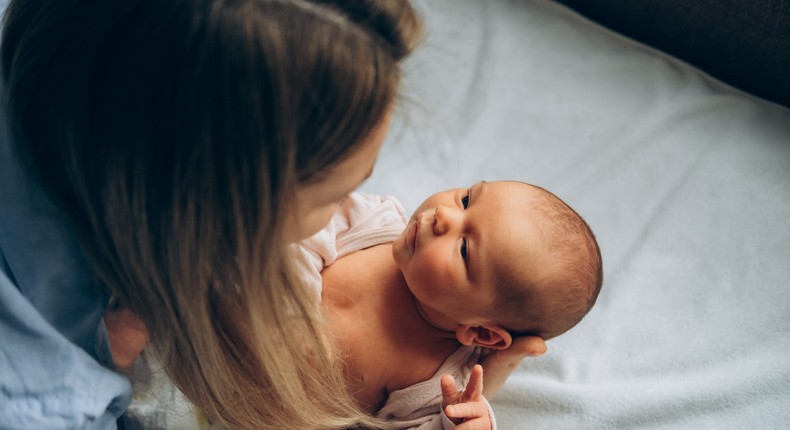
x=466, y=408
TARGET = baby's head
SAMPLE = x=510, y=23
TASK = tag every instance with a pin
x=500, y=259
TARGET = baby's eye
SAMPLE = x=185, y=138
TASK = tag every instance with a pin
x=463, y=249
x=465, y=201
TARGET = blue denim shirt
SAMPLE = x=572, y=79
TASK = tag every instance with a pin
x=52, y=341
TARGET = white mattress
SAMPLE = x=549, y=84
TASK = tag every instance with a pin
x=685, y=181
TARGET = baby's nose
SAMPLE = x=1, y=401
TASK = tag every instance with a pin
x=444, y=220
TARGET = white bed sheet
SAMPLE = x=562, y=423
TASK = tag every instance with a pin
x=685, y=181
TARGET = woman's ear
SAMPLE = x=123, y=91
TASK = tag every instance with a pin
x=491, y=336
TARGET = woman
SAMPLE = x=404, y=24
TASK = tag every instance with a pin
x=184, y=144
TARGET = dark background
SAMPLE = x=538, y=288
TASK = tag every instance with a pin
x=744, y=43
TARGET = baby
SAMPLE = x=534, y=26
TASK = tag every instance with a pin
x=409, y=300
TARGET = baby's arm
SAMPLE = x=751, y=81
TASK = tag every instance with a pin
x=467, y=409
x=500, y=363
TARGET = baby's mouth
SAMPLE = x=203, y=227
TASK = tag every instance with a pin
x=412, y=236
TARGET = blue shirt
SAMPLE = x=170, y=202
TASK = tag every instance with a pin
x=51, y=335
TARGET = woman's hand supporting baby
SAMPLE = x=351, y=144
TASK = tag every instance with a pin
x=500, y=363
x=468, y=409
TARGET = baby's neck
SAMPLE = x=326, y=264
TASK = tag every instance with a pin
x=446, y=329
x=370, y=283
x=418, y=312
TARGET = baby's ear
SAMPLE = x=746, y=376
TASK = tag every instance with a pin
x=491, y=336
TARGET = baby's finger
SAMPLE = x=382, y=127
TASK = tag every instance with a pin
x=474, y=388
x=467, y=410
x=450, y=392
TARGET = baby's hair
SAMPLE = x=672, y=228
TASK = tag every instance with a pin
x=554, y=303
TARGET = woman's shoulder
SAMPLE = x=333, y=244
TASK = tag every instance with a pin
x=42, y=258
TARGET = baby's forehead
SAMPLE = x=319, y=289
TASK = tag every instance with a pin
x=517, y=232
x=512, y=248
x=517, y=201
x=511, y=214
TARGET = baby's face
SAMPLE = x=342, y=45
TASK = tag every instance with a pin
x=462, y=244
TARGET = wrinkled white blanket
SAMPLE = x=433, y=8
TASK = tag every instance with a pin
x=685, y=181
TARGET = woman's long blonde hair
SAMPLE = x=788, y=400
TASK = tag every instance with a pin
x=173, y=134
